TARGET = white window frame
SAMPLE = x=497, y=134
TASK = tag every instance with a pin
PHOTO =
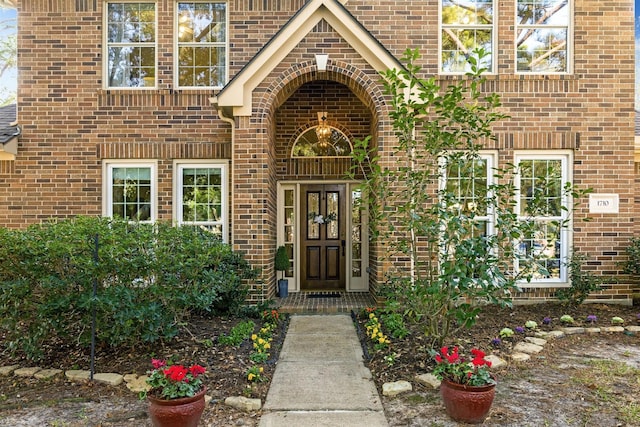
x=569, y=27
x=178, y=167
x=494, y=26
x=107, y=179
x=491, y=158
x=107, y=44
x=566, y=158
x=177, y=45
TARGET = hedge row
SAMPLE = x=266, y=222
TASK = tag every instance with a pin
x=149, y=278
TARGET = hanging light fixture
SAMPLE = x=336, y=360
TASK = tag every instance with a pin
x=323, y=131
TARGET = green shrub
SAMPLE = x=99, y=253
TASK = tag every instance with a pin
x=632, y=265
x=583, y=282
x=149, y=278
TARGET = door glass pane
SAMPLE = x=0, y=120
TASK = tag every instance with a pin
x=332, y=219
x=289, y=229
x=314, y=216
x=356, y=234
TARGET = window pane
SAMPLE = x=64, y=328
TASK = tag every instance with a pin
x=542, y=50
x=466, y=184
x=307, y=145
x=131, y=33
x=466, y=26
x=540, y=188
x=458, y=44
x=201, y=44
x=543, y=36
x=202, y=195
x=465, y=12
x=131, y=193
x=537, y=12
x=543, y=245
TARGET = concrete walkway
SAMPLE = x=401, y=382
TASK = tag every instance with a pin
x=321, y=379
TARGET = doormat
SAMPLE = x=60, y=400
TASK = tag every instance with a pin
x=324, y=295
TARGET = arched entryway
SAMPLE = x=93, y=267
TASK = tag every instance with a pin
x=321, y=221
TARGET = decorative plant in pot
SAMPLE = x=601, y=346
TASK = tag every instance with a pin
x=282, y=264
x=176, y=394
x=467, y=387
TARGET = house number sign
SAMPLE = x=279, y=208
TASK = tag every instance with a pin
x=604, y=203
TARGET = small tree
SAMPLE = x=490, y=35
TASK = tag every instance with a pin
x=282, y=260
x=440, y=225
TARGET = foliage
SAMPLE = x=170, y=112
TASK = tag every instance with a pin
x=149, y=279
x=447, y=261
x=282, y=259
x=583, y=282
x=632, y=265
x=238, y=333
x=262, y=342
x=566, y=319
x=254, y=374
x=452, y=367
x=394, y=323
x=169, y=381
x=506, y=333
x=374, y=332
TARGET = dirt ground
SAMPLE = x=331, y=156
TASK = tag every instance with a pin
x=558, y=387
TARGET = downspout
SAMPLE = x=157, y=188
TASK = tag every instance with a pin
x=232, y=122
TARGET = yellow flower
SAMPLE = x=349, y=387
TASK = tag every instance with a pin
x=267, y=345
x=254, y=337
x=381, y=340
x=251, y=376
x=371, y=315
x=261, y=369
x=255, y=345
x=260, y=341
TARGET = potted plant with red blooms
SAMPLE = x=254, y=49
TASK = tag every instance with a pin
x=176, y=394
x=467, y=387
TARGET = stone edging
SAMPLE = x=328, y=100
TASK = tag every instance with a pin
x=135, y=383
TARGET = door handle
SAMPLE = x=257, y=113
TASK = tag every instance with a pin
x=344, y=243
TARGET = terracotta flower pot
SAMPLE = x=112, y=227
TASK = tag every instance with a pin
x=469, y=404
x=183, y=412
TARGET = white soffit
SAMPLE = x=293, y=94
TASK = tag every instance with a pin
x=238, y=92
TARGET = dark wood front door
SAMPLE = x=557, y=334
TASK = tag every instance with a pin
x=323, y=237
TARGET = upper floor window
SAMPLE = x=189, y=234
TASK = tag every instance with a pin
x=202, y=44
x=465, y=25
x=130, y=191
x=542, y=28
x=131, y=45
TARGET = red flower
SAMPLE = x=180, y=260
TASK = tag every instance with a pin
x=196, y=370
x=158, y=363
x=175, y=372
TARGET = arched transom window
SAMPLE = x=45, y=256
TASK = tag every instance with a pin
x=322, y=141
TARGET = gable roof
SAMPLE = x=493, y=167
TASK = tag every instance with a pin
x=237, y=94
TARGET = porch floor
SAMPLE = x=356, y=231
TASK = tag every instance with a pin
x=303, y=302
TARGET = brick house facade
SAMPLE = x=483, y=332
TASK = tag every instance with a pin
x=99, y=137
